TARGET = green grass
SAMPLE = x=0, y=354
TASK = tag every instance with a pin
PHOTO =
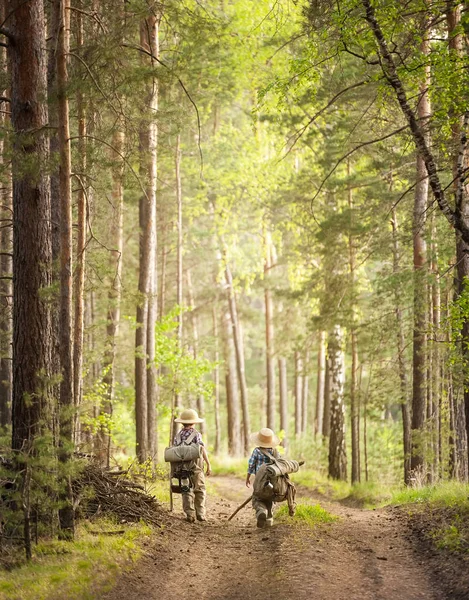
x=448, y=493
x=306, y=513
x=227, y=465
x=313, y=480
x=78, y=570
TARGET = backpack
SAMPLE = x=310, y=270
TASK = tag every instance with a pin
x=272, y=483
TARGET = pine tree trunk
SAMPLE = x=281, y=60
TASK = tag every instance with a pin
x=269, y=333
x=326, y=422
x=337, y=450
x=81, y=247
x=298, y=392
x=195, y=343
x=321, y=368
x=6, y=243
x=179, y=276
x=420, y=309
x=354, y=400
x=147, y=219
x=232, y=401
x=283, y=389
x=239, y=350
x=32, y=252
x=305, y=393
x=455, y=42
x=115, y=288
x=67, y=418
x=216, y=381
x=53, y=33
x=404, y=385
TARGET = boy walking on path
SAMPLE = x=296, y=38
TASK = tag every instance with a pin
x=266, y=441
x=193, y=501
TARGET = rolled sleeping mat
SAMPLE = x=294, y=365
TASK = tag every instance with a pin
x=182, y=453
x=283, y=467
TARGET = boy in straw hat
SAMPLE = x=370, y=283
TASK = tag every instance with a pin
x=268, y=441
x=193, y=501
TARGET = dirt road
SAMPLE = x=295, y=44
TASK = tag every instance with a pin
x=366, y=555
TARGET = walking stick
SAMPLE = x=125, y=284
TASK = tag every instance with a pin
x=171, y=505
x=240, y=507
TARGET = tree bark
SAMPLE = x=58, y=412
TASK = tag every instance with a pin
x=115, y=288
x=326, y=422
x=232, y=401
x=337, y=450
x=195, y=343
x=403, y=378
x=417, y=460
x=216, y=380
x=147, y=217
x=321, y=368
x=81, y=246
x=238, y=345
x=6, y=246
x=459, y=161
x=32, y=252
x=298, y=392
x=354, y=399
x=269, y=333
x=179, y=275
x=305, y=393
x=283, y=389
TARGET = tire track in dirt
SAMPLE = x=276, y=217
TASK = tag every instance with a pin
x=365, y=555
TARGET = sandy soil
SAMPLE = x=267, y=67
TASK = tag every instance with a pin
x=366, y=555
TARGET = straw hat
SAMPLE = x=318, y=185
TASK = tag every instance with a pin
x=188, y=417
x=265, y=438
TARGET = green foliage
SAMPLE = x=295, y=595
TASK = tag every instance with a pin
x=306, y=513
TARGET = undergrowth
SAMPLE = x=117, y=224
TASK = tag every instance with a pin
x=306, y=513
x=78, y=570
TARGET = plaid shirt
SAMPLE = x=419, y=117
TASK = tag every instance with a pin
x=182, y=436
x=257, y=459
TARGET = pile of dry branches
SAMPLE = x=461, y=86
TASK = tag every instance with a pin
x=100, y=492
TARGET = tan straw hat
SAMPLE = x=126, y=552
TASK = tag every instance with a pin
x=188, y=417
x=265, y=438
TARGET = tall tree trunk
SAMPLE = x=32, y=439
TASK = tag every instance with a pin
x=305, y=393
x=298, y=392
x=403, y=379
x=53, y=33
x=152, y=392
x=6, y=243
x=436, y=373
x=32, y=251
x=216, y=380
x=147, y=217
x=81, y=246
x=283, y=392
x=269, y=332
x=115, y=288
x=337, y=450
x=179, y=277
x=319, y=413
x=326, y=421
x=232, y=401
x=420, y=309
x=238, y=344
x=354, y=392
x=66, y=513
x=195, y=343
x=455, y=41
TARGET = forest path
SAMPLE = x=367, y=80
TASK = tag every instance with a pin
x=366, y=555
